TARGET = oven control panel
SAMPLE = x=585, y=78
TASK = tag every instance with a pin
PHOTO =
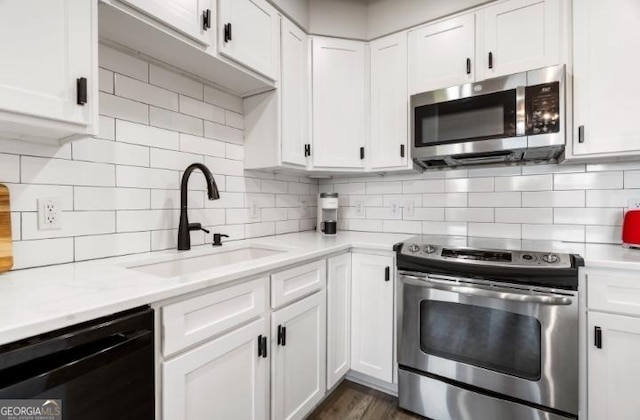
x=488, y=256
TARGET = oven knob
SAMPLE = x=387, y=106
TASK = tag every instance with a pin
x=414, y=248
x=429, y=249
x=550, y=258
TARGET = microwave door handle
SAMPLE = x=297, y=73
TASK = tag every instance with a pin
x=495, y=293
x=521, y=111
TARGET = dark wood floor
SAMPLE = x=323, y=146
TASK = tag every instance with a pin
x=351, y=401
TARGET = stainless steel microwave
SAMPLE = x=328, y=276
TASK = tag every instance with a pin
x=515, y=118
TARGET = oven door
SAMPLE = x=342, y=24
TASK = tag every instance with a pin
x=515, y=342
x=481, y=117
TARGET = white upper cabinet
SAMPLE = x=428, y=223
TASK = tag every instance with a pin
x=339, y=81
x=606, y=38
x=389, y=102
x=372, y=316
x=190, y=17
x=442, y=54
x=294, y=86
x=518, y=35
x=249, y=33
x=48, y=50
x=298, y=375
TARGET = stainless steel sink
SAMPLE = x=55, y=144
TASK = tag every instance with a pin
x=177, y=266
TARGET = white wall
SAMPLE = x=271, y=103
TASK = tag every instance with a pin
x=296, y=10
x=387, y=16
x=339, y=18
x=120, y=192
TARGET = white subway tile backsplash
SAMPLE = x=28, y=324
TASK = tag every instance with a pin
x=525, y=183
x=224, y=166
x=123, y=109
x=234, y=119
x=588, y=216
x=146, y=220
x=571, y=233
x=233, y=151
x=24, y=197
x=401, y=226
x=105, y=81
x=66, y=172
x=362, y=225
x=174, y=121
x=136, y=90
x=495, y=230
x=223, y=100
x=445, y=200
x=469, y=185
x=444, y=228
x=175, y=82
x=553, y=199
x=77, y=223
x=588, y=181
x=222, y=132
x=611, y=198
x=273, y=214
x=101, y=246
x=272, y=186
x=122, y=63
x=425, y=214
x=107, y=128
x=201, y=110
x=145, y=135
x=353, y=188
x=28, y=254
x=136, y=177
x=201, y=145
x=107, y=151
x=423, y=186
x=254, y=230
x=469, y=215
x=631, y=179
x=107, y=198
x=384, y=187
x=170, y=159
x=287, y=226
x=499, y=199
x=524, y=215
x=170, y=199
x=21, y=147
x=9, y=168
x=604, y=234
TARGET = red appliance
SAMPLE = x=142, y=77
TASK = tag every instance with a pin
x=631, y=228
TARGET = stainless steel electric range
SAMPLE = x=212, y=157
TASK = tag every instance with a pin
x=487, y=334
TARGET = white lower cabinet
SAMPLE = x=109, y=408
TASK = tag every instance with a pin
x=223, y=379
x=613, y=367
x=338, y=318
x=298, y=337
x=372, y=315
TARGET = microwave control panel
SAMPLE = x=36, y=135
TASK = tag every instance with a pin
x=543, y=108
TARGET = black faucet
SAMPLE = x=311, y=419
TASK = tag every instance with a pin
x=184, y=239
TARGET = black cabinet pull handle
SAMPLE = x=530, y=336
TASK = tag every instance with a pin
x=581, y=134
x=227, y=32
x=468, y=66
x=387, y=273
x=597, y=337
x=264, y=347
x=362, y=153
x=81, y=90
x=307, y=150
x=282, y=335
x=490, y=60
x=260, y=343
x=402, y=150
x=206, y=19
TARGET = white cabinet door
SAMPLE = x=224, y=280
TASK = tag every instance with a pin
x=45, y=47
x=299, y=349
x=613, y=370
x=338, y=318
x=222, y=379
x=519, y=35
x=442, y=54
x=339, y=80
x=389, y=102
x=249, y=33
x=294, y=86
x=185, y=16
x=372, y=316
x=606, y=37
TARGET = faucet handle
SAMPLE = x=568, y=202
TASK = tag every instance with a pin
x=197, y=226
x=217, y=239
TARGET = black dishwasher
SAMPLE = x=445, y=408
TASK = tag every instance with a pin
x=100, y=370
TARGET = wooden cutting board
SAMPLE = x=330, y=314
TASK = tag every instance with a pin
x=6, y=255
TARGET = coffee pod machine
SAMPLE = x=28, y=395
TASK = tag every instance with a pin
x=327, y=213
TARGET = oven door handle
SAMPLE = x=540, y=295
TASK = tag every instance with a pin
x=494, y=293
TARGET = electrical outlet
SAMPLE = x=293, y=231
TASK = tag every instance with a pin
x=359, y=208
x=254, y=211
x=409, y=208
x=395, y=207
x=634, y=203
x=304, y=209
x=50, y=214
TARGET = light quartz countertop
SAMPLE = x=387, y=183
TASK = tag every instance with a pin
x=39, y=300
